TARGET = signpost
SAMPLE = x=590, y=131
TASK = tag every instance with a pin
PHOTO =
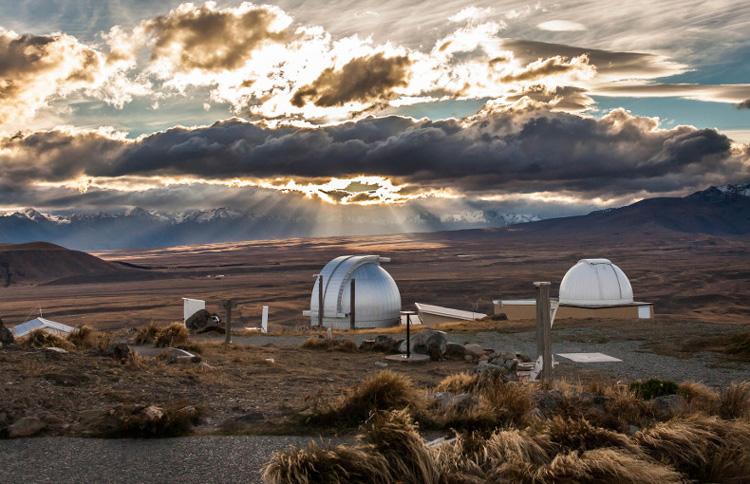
x=228, y=305
x=544, y=329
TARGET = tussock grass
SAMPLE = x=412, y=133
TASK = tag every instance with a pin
x=699, y=398
x=385, y=390
x=578, y=434
x=172, y=335
x=142, y=421
x=457, y=383
x=86, y=338
x=330, y=344
x=41, y=339
x=734, y=401
x=653, y=388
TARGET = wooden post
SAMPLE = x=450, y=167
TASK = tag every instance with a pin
x=352, y=300
x=320, y=300
x=544, y=329
x=228, y=305
x=408, y=335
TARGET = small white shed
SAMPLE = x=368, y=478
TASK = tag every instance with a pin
x=52, y=327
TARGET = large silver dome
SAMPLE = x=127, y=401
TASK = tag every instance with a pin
x=377, y=299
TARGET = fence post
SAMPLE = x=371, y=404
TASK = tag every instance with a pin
x=544, y=329
x=352, y=301
x=228, y=306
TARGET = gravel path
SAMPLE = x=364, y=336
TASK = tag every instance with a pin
x=185, y=460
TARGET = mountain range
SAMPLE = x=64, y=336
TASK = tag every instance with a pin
x=723, y=210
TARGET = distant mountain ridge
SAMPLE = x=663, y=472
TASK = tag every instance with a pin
x=138, y=228
x=722, y=210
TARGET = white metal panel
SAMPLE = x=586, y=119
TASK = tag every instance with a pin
x=264, y=320
x=191, y=306
x=644, y=312
x=449, y=312
x=590, y=357
x=41, y=323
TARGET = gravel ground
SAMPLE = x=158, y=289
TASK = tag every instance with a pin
x=638, y=362
x=186, y=460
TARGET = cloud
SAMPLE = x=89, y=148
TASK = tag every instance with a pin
x=552, y=66
x=207, y=38
x=363, y=79
x=520, y=149
x=744, y=104
x=727, y=93
x=561, y=26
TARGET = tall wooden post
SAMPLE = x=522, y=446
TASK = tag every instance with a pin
x=228, y=305
x=544, y=328
x=352, y=300
x=320, y=300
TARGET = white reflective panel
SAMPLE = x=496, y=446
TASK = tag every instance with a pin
x=644, y=312
x=590, y=357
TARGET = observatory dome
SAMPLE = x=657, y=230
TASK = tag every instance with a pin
x=377, y=298
x=595, y=283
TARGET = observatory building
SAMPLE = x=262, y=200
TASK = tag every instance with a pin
x=377, y=301
x=593, y=288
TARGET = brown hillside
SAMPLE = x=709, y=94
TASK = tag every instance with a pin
x=39, y=262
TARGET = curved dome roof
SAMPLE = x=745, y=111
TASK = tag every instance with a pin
x=377, y=298
x=595, y=282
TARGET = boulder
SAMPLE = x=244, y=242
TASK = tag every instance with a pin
x=6, y=335
x=382, y=343
x=474, y=350
x=26, y=427
x=203, y=321
x=455, y=351
x=428, y=342
x=121, y=352
x=177, y=355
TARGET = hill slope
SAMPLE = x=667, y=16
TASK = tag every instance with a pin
x=40, y=262
x=721, y=210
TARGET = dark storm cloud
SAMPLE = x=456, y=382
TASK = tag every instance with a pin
x=495, y=151
x=206, y=38
x=364, y=79
x=744, y=104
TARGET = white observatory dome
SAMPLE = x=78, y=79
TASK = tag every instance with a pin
x=595, y=282
x=377, y=299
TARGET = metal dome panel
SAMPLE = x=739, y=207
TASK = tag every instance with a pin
x=378, y=300
x=595, y=282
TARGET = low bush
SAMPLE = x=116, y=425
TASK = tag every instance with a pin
x=734, y=401
x=146, y=335
x=40, y=338
x=653, y=388
x=86, y=338
x=173, y=335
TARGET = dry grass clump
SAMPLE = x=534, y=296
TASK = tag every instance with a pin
x=385, y=390
x=698, y=398
x=330, y=344
x=457, y=383
x=86, y=338
x=390, y=450
x=578, y=434
x=42, y=339
x=146, y=335
x=150, y=421
x=703, y=448
x=734, y=401
x=173, y=335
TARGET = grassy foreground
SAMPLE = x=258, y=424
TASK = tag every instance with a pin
x=519, y=432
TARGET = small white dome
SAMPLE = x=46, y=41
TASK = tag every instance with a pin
x=595, y=282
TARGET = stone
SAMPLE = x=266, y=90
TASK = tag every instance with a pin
x=430, y=342
x=55, y=349
x=474, y=350
x=177, y=355
x=153, y=413
x=667, y=406
x=381, y=364
x=203, y=321
x=121, y=352
x=447, y=400
x=455, y=351
x=6, y=335
x=26, y=427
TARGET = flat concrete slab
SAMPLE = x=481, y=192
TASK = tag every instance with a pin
x=413, y=358
x=590, y=357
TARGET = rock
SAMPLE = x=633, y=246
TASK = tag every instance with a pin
x=549, y=401
x=381, y=364
x=429, y=342
x=121, y=352
x=153, y=413
x=455, y=351
x=667, y=406
x=382, y=343
x=177, y=355
x=203, y=321
x=474, y=350
x=490, y=373
x=26, y=427
x=6, y=335
x=447, y=400
x=55, y=349
x=367, y=345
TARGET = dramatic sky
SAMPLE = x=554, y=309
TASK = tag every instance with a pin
x=451, y=108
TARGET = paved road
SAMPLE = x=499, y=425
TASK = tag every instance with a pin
x=184, y=460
